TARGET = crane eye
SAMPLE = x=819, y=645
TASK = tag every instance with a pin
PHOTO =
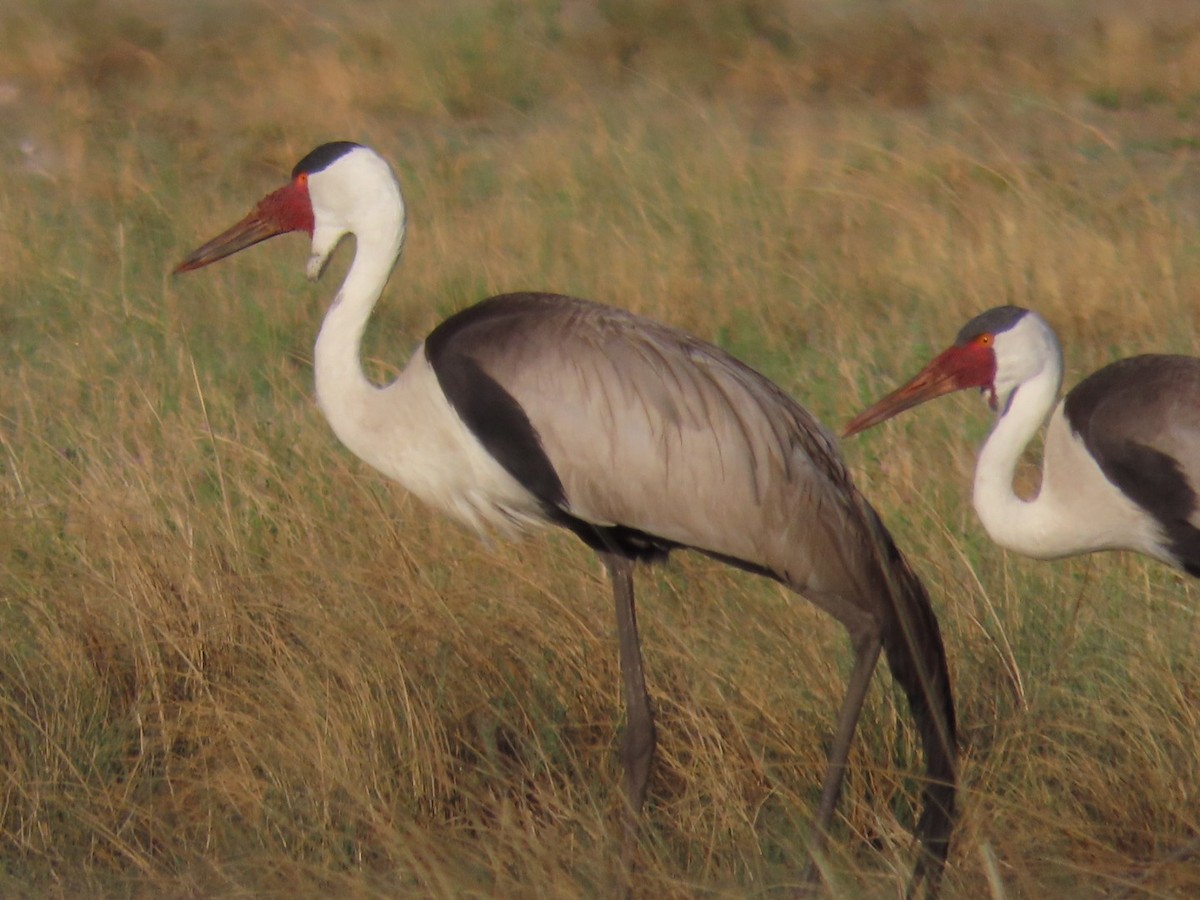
x=985, y=340
x=302, y=179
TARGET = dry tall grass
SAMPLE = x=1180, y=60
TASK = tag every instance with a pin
x=234, y=662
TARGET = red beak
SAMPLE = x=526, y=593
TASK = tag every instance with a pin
x=952, y=370
x=245, y=233
x=287, y=209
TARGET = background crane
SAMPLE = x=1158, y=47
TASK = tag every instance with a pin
x=531, y=409
x=1122, y=456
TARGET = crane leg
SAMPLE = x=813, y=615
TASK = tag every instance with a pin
x=638, y=739
x=865, y=659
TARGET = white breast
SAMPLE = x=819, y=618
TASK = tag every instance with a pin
x=1090, y=511
x=410, y=433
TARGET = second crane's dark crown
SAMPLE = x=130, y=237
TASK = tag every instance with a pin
x=994, y=321
x=323, y=157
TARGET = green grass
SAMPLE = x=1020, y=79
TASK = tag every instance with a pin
x=235, y=662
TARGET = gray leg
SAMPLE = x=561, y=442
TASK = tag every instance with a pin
x=865, y=659
x=638, y=740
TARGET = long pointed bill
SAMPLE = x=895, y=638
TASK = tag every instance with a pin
x=952, y=370
x=245, y=233
x=284, y=210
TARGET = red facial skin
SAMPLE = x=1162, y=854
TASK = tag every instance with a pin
x=968, y=365
x=282, y=211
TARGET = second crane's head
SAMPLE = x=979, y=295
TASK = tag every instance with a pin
x=339, y=188
x=997, y=352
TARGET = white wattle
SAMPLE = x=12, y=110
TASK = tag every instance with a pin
x=1031, y=527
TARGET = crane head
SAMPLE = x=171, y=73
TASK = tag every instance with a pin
x=971, y=362
x=334, y=190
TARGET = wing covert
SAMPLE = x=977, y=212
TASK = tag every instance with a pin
x=707, y=452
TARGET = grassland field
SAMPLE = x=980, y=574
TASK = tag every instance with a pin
x=235, y=662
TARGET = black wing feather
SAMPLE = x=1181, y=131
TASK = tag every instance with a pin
x=499, y=422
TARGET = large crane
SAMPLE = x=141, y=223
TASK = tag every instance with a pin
x=529, y=409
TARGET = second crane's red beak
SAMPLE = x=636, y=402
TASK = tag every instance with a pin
x=952, y=370
x=287, y=209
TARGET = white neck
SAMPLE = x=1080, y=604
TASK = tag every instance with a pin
x=343, y=389
x=1030, y=527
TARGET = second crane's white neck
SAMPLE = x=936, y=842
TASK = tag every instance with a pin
x=344, y=392
x=1030, y=527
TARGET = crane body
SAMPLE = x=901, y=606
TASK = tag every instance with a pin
x=534, y=409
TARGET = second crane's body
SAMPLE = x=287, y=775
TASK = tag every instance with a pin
x=1121, y=463
x=542, y=409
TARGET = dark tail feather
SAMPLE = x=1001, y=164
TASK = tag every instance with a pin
x=913, y=645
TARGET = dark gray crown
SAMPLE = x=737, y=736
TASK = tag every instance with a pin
x=323, y=157
x=994, y=321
